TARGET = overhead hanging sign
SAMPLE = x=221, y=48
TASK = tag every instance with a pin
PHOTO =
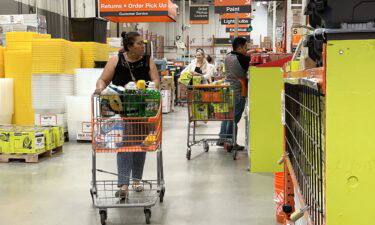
x=232, y=6
x=130, y=11
x=240, y=29
x=239, y=26
x=240, y=34
x=199, y=14
x=228, y=19
x=232, y=21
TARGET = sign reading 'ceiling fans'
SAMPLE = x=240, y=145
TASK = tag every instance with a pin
x=232, y=6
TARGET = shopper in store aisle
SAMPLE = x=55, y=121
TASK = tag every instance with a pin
x=130, y=65
x=237, y=65
x=200, y=67
x=211, y=67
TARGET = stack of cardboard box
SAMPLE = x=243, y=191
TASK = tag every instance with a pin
x=267, y=43
x=167, y=88
x=21, y=23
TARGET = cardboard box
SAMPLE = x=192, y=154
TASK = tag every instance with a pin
x=84, y=132
x=6, y=142
x=59, y=135
x=50, y=119
x=166, y=83
x=166, y=100
x=200, y=111
x=30, y=142
x=197, y=80
x=49, y=138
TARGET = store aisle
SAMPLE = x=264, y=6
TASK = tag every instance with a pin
x=209, y=189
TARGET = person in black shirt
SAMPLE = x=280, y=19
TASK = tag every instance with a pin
x=131, y=64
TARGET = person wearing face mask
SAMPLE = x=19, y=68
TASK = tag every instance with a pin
x=199, y=67
x=130, y=65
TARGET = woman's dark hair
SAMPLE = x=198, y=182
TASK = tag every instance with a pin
x=209, y=59
x=128, y=39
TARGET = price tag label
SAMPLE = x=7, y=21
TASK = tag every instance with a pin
x=48, y=120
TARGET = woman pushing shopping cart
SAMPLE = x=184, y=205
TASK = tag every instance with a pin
x=127, y=120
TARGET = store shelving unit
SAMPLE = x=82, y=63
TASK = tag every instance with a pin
x=329, y=157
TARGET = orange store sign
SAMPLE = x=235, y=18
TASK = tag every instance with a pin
x=138, y=11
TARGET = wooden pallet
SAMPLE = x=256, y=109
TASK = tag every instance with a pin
x=57, y=150
x=29, y=158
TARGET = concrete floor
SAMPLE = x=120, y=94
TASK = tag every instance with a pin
x=209, y=189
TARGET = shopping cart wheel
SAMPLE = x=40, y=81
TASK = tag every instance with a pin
x=188, y=154
x=161, y=196
x=206, y=146
x=147, y=215
x=234, y=154
x=103, y=216
x=228, y=147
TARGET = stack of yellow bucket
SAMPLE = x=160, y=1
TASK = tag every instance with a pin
x=55, y=56
x=18, y=65
x=2, y=73
x=53, y=64
x=91, y=52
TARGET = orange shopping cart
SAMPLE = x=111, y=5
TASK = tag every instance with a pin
x=210, y=103
x=126, y=123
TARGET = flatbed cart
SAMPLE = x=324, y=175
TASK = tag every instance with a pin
x=122, y=133
x=210, y=103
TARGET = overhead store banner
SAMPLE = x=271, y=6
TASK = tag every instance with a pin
x=130, y=11
x=232, y=21
x=247, y=37
x=240, y=29
x=228, y=19
x=232, y=6
x=240, y=34
x=199, y=14
x=239, y=26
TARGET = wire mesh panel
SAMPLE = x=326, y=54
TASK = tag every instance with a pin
x=106, y=190
x=305, y=126
x=126, y=123
x=210, y=103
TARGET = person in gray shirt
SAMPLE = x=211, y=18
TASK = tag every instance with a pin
x=236, y=71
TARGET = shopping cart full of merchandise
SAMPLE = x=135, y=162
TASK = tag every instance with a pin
x=210, y=103
x=127, y=124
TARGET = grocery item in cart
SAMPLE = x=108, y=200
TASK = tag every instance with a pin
x=111, y=133
x=111, y=101
x=200, y=111
x=133, y=106
x=185, y=78
x=152, y=100
x=197, y=80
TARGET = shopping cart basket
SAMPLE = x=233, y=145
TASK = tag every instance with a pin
x=119, y=124
x=210, y=103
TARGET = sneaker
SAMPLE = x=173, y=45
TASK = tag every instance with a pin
x=239, y=147
x=220, y=143
x=122, y=194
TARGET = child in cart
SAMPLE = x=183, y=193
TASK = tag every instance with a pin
x=130, y=65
